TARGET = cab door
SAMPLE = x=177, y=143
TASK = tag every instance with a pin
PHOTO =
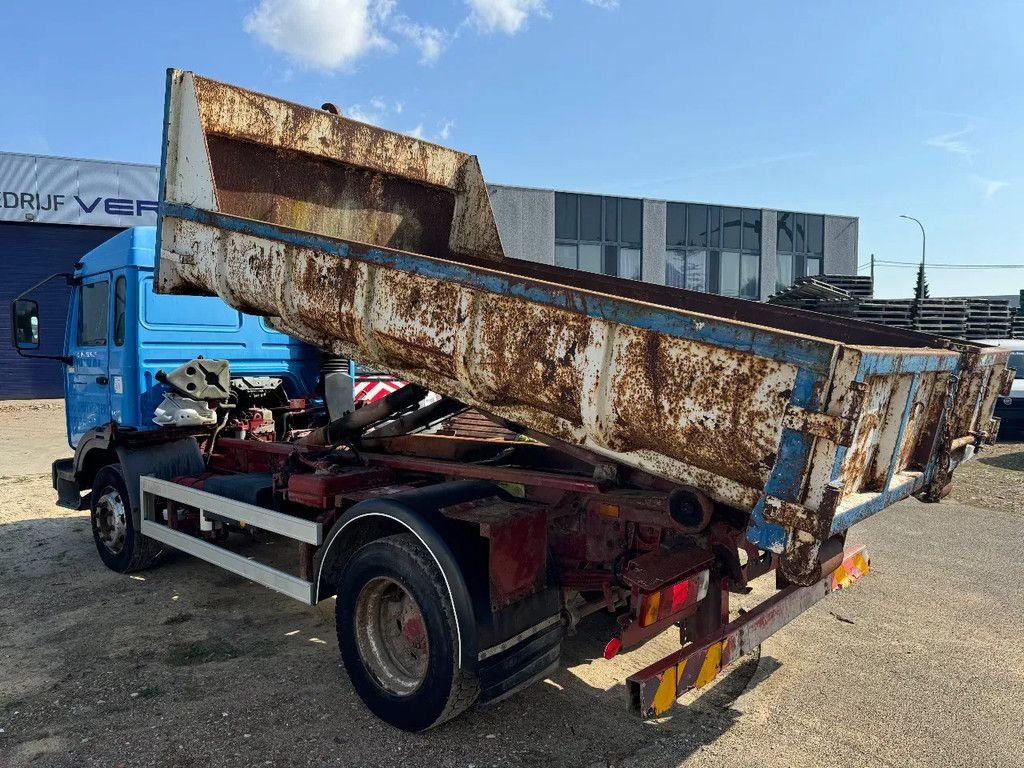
x=88, y=375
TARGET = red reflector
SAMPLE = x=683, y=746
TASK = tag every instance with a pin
x=612, y=648
x=680, y=595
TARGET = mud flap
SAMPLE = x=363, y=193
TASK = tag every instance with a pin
x=163, y=460
x=69, y=493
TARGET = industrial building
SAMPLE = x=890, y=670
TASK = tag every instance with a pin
x=53, y=210
x=729, y=250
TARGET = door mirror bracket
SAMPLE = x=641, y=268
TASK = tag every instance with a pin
x=25, y=322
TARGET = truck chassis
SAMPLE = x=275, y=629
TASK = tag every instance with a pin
x=527, y=540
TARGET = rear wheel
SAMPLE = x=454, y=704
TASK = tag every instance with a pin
x=121, y=547
x=398, y=636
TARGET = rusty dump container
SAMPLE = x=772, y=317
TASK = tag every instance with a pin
x=383, y=247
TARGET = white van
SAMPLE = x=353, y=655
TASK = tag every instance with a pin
x=1011, y=408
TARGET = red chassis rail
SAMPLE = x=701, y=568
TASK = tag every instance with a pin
x=654, y=690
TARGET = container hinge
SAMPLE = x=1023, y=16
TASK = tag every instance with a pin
x=836, y=429
x=798, y=517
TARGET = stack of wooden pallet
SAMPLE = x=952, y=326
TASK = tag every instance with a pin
x=988, y=319
x=816, y=295
x=858, y=286
x=943, y=317
x=853, y=296
x=896, y=313
x=1017, y=326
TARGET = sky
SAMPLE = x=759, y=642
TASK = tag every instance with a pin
x=872, y=109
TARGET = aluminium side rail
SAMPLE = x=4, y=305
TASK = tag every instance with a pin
x=383, y=248
x=153, y=490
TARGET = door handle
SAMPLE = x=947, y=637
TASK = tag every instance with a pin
x=102, y=380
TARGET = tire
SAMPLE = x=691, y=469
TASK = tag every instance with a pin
x=409, y=681
x=121, y=547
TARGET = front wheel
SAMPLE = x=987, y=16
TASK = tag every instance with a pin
x=398, y=637
x=121, y=547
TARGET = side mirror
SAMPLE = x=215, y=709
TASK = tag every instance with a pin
x=25, y=324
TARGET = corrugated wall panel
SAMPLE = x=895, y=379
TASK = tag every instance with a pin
x=28, y=253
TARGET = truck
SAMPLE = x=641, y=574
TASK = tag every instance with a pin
x=655, y=450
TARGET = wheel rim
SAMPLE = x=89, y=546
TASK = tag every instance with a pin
x=391, y=636
x=111, y=521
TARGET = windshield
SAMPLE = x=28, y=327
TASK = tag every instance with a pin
x=1017, y=363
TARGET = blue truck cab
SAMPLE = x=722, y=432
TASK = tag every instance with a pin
x=120, y=333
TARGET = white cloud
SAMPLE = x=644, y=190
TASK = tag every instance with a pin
x=989, y=187
x=375, y=112
x=508, y=16
x=334, y=34
x=608, y=5
x=327, y=34
x=385, y=114
x=954, y=143
x=430, y=41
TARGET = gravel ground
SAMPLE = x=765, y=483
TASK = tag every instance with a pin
x=185, y=665
x=995, y=480
x=33, y=436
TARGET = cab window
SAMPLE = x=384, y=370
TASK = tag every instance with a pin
x=92, y=314
x=120, y=288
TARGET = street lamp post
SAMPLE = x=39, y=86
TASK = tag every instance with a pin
x=920, y=283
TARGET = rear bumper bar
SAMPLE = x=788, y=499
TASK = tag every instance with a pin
x=653, y=690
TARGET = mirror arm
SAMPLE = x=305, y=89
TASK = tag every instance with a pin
x=69, y=279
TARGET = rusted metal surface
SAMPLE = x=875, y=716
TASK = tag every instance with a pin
x=683, y=409
x=518, y=546
x=720, y=409
x=483, y=472
x=383, y=248
x=322, y=490
x=654, y=690
x=653, y=570
x=274, y=161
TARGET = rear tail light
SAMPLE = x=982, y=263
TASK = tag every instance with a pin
x=612, y=648
x=680, y=595
x=652, y=607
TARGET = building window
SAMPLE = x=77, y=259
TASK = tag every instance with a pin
x=599, y=234
x=716, y=249
x=800, y=247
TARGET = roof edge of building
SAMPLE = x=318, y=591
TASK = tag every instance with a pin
x=78, y=159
